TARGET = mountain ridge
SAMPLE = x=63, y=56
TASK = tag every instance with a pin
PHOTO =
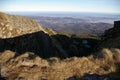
x=12, y=26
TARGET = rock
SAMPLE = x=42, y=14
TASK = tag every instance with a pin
x=72, y=78
x=111, y=37
x=94, y=77
x=1, y=78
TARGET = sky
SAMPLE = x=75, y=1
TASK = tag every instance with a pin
x=99, y=6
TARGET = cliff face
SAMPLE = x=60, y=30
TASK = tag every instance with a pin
x=113, y=32
x=111, y=37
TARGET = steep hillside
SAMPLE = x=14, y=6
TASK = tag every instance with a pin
x=12, y=26
x=21, y=34
x=111, y=37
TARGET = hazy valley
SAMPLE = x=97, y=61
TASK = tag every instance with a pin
x=79, y=24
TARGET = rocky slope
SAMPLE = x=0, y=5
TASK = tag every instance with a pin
x=21, y=34
x=111, y=37
x=12, y=26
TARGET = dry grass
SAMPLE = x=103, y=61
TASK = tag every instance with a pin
x=54, y=68
x=12, y=26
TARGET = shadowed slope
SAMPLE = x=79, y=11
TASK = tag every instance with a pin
x=111, y=37
x=38, y=42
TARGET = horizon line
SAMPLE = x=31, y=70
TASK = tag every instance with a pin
x=67, y=12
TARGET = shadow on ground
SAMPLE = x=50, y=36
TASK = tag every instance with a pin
x=43, y=45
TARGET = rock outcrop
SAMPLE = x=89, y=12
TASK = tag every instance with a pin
x=113, y=32
x=111, y=37
x=110, y=45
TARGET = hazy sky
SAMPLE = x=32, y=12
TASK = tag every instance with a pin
x=103, y=6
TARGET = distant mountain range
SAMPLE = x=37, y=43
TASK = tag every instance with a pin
x=75, y=26
x=74, y=23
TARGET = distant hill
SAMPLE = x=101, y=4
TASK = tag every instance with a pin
x=75, y=26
